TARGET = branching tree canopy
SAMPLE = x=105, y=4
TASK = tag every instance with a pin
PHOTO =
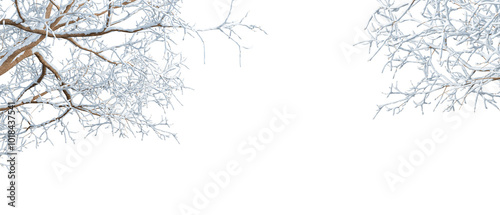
x=448, y=50
x=106, y=78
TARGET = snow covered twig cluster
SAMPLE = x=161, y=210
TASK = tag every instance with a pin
x=447, y=50
x=108, y=78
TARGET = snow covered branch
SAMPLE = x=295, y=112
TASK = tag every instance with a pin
x=108, y=79
x=441, y=51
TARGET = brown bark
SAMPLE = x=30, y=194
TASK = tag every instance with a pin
x=18, y=55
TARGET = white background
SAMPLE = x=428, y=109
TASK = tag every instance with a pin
x=331, y=159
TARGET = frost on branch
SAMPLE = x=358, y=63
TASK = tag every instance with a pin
x=107, y=78
x=442, y=52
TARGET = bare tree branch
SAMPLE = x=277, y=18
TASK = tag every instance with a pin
x=453, y=44
x=107, y=79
